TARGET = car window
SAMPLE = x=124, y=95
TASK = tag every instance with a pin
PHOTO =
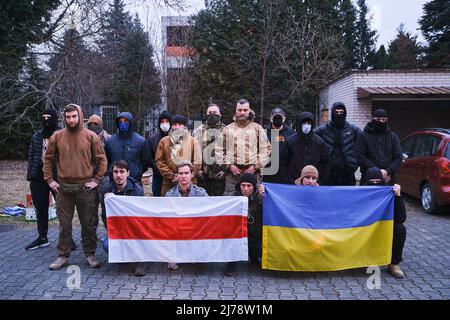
x=424, y=146
x=447, y=152
x=407, y=146
x=436, y=143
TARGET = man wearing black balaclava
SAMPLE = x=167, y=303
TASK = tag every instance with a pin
x=164, y=125
x=374, y=177
x=340, y=137
x=302, y=149
x=39, y=188
x=277, y=132
x=210, y=177
x=378, y=146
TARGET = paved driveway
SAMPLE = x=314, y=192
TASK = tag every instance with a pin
x=25, y=275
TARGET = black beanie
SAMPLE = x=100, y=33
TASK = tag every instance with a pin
x=380, y=113
x=179, y=119
x=246, y=177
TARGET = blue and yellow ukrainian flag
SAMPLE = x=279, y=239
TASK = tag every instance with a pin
x=326, y=228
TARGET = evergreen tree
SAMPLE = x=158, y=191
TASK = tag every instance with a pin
x=365, y=38
x=112, y=42
x=70, y=71
x=347, y=20
x=404, y=50
x=381, y=59
x=435, y=26
x=139, y=83
x=23, y=23
x=270, y=52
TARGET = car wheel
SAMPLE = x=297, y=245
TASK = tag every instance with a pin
x=428, y=199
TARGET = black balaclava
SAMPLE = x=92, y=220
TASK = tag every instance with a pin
x=379, y=126
x=246, y=177
x=338, y=120
x=49, y=126
x=374, y=173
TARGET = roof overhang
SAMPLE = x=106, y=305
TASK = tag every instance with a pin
x=393, y=93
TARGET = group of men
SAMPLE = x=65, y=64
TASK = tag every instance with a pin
x=81, y=166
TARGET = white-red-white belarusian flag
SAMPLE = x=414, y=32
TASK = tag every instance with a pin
x=179, y=229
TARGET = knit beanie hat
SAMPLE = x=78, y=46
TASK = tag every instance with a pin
x=309, y=171
x=249, y=178
x=179, y=119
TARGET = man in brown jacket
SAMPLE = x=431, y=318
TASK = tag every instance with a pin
x=81, y=165
x=95, y=123
x=211, y=176
x=174, y=148
x=244, y=147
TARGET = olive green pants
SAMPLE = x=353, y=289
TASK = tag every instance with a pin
x=77, y=196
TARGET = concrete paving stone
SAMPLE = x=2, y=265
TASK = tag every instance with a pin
x=426, y=257
x=197, y=297
x=182, y=295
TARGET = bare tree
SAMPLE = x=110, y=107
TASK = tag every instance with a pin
x=309, y=53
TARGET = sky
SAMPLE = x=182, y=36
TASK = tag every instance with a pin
x=387, y=15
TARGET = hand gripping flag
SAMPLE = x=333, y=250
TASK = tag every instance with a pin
x=326, y=228
x=197, y=229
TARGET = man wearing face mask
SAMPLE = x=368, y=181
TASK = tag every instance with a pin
x=302, y=149
x=129, y=146
x=174, y=148
x=164, y=125
x=210, y=177
x=281, y=133
x=243, y=147
x=340, y=137
x=95, y=124
x=378, y=146
x=374, y=177
x=39, y=188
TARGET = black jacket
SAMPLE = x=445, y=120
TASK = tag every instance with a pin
x=341, y=143
x=283, y=135
x=153, y=143
x=132, y=188
x=378, y=149
x=254, y=214
x=300, y=151
x=34, y=169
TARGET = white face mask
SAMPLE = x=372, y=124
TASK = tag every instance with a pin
x=306, y=128
x=164, y=127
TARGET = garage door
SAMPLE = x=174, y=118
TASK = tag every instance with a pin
x=406, y=117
